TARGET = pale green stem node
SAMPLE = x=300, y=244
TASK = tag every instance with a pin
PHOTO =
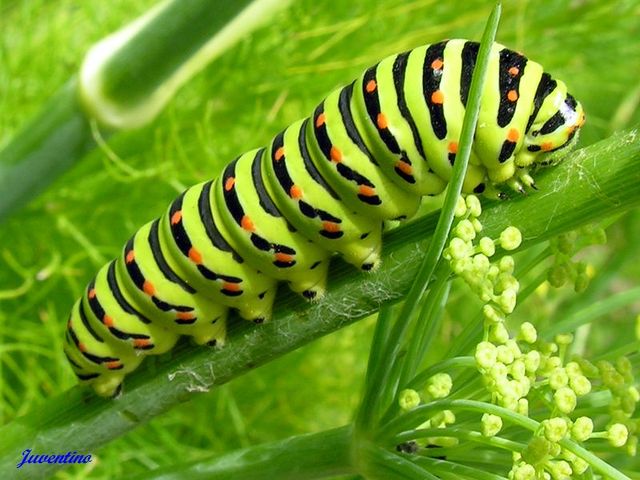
x=123, y=112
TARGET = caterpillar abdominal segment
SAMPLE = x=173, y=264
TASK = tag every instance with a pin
x=324, y=185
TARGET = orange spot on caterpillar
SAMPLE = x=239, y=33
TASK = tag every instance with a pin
x=322, y=118
x=437, y=97
x=185, y=316
x=295, y=192
x=366, y=190
x=512, y=95
x=231, y=287
x=453, y=147
x=279, y=154
x=82, y=347
x=382, y=121
x=107, y=320
x=148, y=288
x=195, y=256
x=437, y=64
x=335, y=154
x=404, y=167
x=514, y=71
x=113, y=365
x=92, y=293
x=546, y=146
x=229, y=183
x=513, y=135
x=371, y=86
x=131, y=256
x=247, y=224
x=331, y=227
x=141, y=342
x=283, y=257
x=176, y=217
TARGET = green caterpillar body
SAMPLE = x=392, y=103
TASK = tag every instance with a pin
x=324, y=185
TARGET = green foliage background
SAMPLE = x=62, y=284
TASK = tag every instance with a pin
x=50, y=250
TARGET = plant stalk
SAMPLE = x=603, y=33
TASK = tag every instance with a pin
x=304, y=457
x=124, y=82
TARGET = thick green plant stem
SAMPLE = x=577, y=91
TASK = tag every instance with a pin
x=45, y=148
x=594, y=183
x=305, y=457
x=123, y=84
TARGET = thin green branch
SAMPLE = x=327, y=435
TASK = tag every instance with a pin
x=423, y=329
x=455, y=470
x=366, y=414
x=45, y=148
x=460, y=433
x=416, y=326
x=389, y=356
x=428, y=323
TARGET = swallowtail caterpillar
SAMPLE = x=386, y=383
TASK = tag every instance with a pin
x=323, y=186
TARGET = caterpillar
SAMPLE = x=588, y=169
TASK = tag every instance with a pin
x=324, y=185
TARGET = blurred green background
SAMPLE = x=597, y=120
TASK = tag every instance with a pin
x=52, y=248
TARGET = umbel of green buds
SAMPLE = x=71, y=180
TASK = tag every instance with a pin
x=470, y=256
x=524, y=373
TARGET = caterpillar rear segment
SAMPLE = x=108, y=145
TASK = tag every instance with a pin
x=324, y=185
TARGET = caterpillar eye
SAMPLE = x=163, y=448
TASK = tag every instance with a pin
x=324, y=186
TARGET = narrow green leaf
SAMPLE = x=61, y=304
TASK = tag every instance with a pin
x=591, y=312
x=303, y=457
x=429, y=319
x=365, y=416
x=430, y=261
x=456, y=470
x=381, y=464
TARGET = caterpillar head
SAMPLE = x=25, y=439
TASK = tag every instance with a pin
x=552, y=128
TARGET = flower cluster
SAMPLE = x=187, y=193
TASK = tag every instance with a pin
x=564, y=247
x=469, y=255
x=557, y=387
x=523, y=369
x=437, y=387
